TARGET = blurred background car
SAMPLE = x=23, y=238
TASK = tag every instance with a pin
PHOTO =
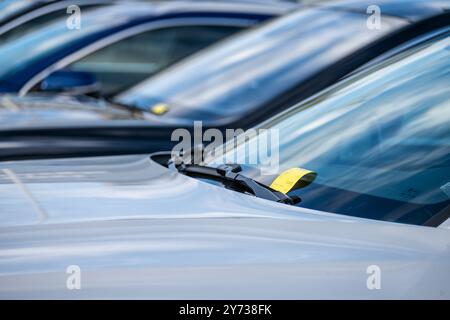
x=118, y=44
x=379, y=142
x=234, y=85
x=260, y=73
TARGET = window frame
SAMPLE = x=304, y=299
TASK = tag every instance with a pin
x=48, y=9
x=129, y=32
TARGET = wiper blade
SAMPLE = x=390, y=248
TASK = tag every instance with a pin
x=128, y=107
x=229, y=175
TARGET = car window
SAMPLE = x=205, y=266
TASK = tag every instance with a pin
x=379, y=141
x=129, y=61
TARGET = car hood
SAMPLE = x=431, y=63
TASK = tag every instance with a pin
x=117, y=188
x=34, y=109
x=138, y=230
x=41, y=111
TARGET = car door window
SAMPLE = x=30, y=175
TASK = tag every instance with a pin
x=131, y=60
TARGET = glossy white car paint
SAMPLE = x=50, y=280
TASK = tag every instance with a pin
x=139, y=230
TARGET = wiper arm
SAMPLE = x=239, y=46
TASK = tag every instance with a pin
x=128, y=107
x=229, y=175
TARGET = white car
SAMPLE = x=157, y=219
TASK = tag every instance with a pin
x=369, y=159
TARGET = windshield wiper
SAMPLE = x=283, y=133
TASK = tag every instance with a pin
x=229, y=175
x=133, y=109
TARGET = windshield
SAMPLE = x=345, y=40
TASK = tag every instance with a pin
x=379, y=142
x=248, y=71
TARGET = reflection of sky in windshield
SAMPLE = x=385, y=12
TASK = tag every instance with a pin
x=256, y=66
x=385, y=134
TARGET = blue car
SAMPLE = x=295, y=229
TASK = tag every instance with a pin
x=120, y=44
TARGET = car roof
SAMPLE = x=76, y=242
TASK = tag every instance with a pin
x=136, y=9
x=412, y=10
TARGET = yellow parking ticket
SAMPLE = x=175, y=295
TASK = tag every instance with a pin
x=160, y=108
x=294, y=178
